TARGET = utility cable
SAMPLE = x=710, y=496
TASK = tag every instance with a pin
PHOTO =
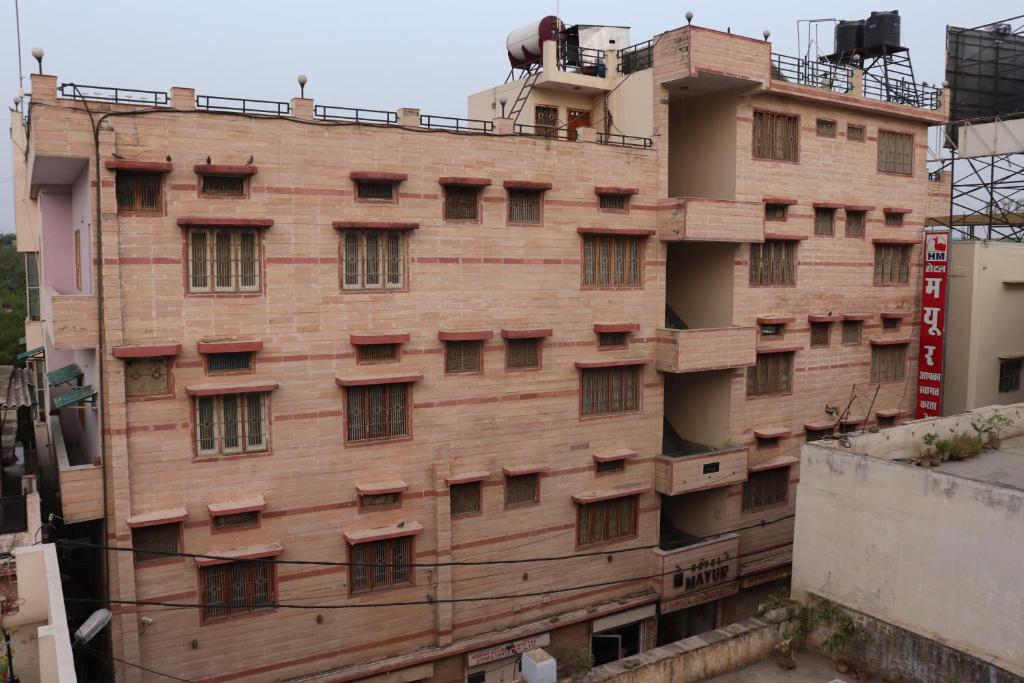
x=101, y=655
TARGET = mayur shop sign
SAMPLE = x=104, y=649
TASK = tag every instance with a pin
x=933, y=323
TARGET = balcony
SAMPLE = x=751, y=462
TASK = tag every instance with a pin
x=72, y=320
x=679, y=473
x=81, y=481
x=697, y=573
x=698, y=219
x=702, y=349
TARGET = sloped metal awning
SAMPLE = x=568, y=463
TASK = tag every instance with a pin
x=31, y=352
x=75, y=396
x=68, y=373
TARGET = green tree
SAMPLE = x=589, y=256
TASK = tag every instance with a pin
x=12, y=300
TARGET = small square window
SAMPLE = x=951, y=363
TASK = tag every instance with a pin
x=826, y=128
x=895, y=152
x=1009, y=375
x=522, y=354
x=617, y=203
x=767, y=441
x=855, y=222
x=380, y=501
x=772, y=374
x=768, y=487
x=890, y=323
x=139, y=191
x=855, y=133
x=380, y=565
x=465, y=498
x=461, y=203
x=376, y=353
x=818, y=434
x=894, y=220
x=776, y=136
x=229, y=362
x=892, y=264
x=773, y=330
x=237, y=521
x=146, y=377
x=824, y=221
x=463, y=357
x=224, y=185
x=609, y=466
x=160, y=540
x=852, y=332
x=888, y=362
x=820, y=332
x=776, y=212
x=522, y=489
x=375, y=190
x=524, y=206
x=612, y=340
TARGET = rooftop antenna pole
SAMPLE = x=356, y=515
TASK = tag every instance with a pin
x=17, y=26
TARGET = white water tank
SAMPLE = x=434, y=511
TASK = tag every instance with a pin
x=525, y=44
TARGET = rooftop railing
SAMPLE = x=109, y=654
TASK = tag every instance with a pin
x=100, y=93
x=636, y=57
x=378, y=116
x=813, y=73
x=582, y=60
x=624, y=140
x=549, y=132
x=243, y=106
x=902, y=91
x=456, y=124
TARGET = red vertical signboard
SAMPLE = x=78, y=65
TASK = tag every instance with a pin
x=933, y=324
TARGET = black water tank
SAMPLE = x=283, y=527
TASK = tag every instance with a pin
x=882, y=29
x=849, y=36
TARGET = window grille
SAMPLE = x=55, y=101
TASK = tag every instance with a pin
x=820, y=333
x=461, y=203
x=224, y=260
x=776, y=136
x=818, y=434
x=32, y=283
x=826, y=128
x=888, y=362
x=157, y=537
x=855, y=133
x=895, y=152
x=546, y=121
x=380, y=565
x=776, y=212
x=771, y=330
x=231, y=423
x=773, y=263
x=892, y=264
x=769, y=487
x=890, y=323
x=228, y=362
x=766, y=441
x=465, y=498
x=607, y=466
x=824, y=221
x=146, y=377
x=237, y=521
x=463, y=356
x=612, y=261
x=606, y=520
x=611, y=390
x=852, y=331
x=522, y=489
x=377, y=412
x=237, y=588
x=522, y=354
x=373, y=259
x=612, y=340
x=773, y=374
x=524, y=206
x=855, y=221
x=894, y=220
x=138, y=191
x=380, y=501
x=613, y=202
x=1009, y=375
x=227, y=185
x=376, y=353
x=375, y=190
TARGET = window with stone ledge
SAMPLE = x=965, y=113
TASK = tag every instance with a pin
x=776, y=136
x=231, y=424
x=824, y=221
x=522, y=489
x=465, y=498
x=892, y=264
x=612, y=261
x=613, y=202
x=380, y=565
x=606, y=520
x=162, y=538
x=373, y=259
x=773, y=262
x=224, y=185
x=236, y=521
x=765, y=488
x=463, y=357
x=239, y=587
x=895, y=152
x=462, y=202
x=855, y=222
x=224, y=260
x=852, y=332
x=610, y=390
x=376, y=190
x=524, y=206
x=139, y=192
x=888, y=362
x=147, y=377
x=772, y=374
x=377, y=412
x=522, y=354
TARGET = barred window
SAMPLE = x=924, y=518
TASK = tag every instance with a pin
x=1009, y=375
x=146, y=377
x=377, y=412
x=892, y=264
x=465, y=498
x=895, y=152
x=224, y=260
x=224, y=185
x=890, y=323
x=237, y=588
x=825, y=128
x=618, y=203
x=888, y=362
x=606, y=520
x=820, y=333
x=852, y=331
x=522, y=489
x=773, y=374
x=545, y=119
x=380, y=501
x=776, y=136
x=229, y=362
x=373, y=259
x=463, y=356
x=771, y=330
x=524, y=206
x=461, y=202
x=773, y=262
x=824, y=221
x=817, y=434
x=894, y=220
x=237, y=521
x=612, y=340
x=375, y=190
x=376, y=353
x=607, y=466
x=379, y=565
x=162, y=538
x=612, y=261
x=522, y=354
x=606, y=391
x=855, y=133
x=769, y=487
x=855, y=222
x=231, y=423
x=139, y=191
x=776, y=212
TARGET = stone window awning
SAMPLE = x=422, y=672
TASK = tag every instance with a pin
x=372, y=339
x=464, y=181
x=168, y=516
x=233, y=507
x=609, y=189
x=889, y=342
x=135, y=165
x=381, y=488
x=230, y=346
x=251, y=387
x=147, y=350
x=375, y=225
x=587, y=365
x=199, y=222
x=526, y=334
x=467, y=477
x=615, y=328
x=785, y=237
x=252, y=552
x=522, y=470
x=471, y=335
x=612, y=456
x=383, y=533
x=772, y=433
x=775, y=463
x=223, y=169
x=779, y=200
x=383, y=379
x=623, y=232
x=588, y=497
x=378, y=176
x=526, y=185
x=774, y=320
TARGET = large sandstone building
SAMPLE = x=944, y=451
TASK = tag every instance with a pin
x=311, y=371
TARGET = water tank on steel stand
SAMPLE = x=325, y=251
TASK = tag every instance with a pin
x=849, y=36
x=525, y=44
x=882, y=31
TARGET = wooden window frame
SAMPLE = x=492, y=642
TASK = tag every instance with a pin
x=898, y=134
x=891, y=324
x=1009, y=375
x=478, y=344
x=764, y=267
x=178, y=533
x=897, y=273
x=242, y=426
x=771, y=208
x=161, y=199
x=255, y=524
x=631, y=274
x=168, y=365
x=893, y=219
x=859, y=215
x=623, y=399
x=863, y=135
x=785, y=386
x=585, y=539
x=249, y=598
x=771, y=489
x=533, y=193
x=538, y=343
x=820, y=325
x=510, y=482
x=389, y=554
x=603, y=197
x=387, y=390
x=899, y=367
x=821, y=133
x=235, y=257
x=824, y=221
x=473, y=489
x=447, y=190
x=847, y=336
x=794, y=119
x=358, y=239
x=362, y=359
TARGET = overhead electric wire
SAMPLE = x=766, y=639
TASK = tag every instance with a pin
x=100, y=656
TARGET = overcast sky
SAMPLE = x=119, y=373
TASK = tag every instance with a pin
x=379, y=55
